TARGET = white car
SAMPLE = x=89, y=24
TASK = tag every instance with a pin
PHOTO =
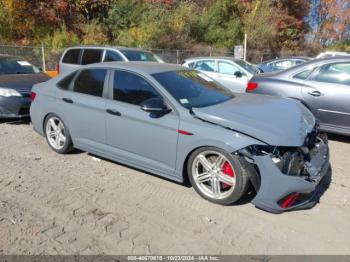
x=74, y=57
x=331, y=54
x=230, y=72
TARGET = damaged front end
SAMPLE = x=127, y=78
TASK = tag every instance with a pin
x=288, y=177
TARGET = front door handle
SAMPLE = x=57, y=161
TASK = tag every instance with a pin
x=113, y=112
x=315, y=93
x=68, y=100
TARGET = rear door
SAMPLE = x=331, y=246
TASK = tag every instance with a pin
x=83, y=108
x=134, y=135
x=327, y=91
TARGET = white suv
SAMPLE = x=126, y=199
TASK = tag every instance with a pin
x=74, y=57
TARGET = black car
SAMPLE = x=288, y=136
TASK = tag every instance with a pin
x=17, y=77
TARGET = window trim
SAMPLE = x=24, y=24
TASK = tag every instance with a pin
x=71, y=82
x=155, y=85
x=77, y=73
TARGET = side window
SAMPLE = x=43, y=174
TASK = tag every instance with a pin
x=65, y=82
x=91, y=56
x=131, y=88
x=112, y=56
x=284, y=64
x=90, y=82
x=338, y=73
x=304, y=74
x=71, y=56
x=208, y=65
x=227, y=68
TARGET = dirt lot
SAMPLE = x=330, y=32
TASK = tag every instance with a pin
x=55, y=204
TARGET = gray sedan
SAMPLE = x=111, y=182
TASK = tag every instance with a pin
x=180, y=124
x=322, y=85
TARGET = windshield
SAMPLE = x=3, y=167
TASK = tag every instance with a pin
x=135, y=55
x=192, y=88
x=249, y=67
x=10, y=66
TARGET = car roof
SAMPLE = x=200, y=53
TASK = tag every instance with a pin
x=318, y=61
x=6, y=57
x=286, y=58
x=120, y=48
x=212, y=57
x=143, y=67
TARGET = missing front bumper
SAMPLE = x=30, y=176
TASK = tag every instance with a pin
x=275, y=185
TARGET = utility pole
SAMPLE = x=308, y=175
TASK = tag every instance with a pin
x=43, y=56
x=245, y=47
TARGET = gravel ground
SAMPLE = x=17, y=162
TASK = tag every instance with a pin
x=80, y=204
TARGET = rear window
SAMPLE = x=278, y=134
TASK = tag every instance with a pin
x=65, y=82
x=71, y=56
x=11, y=66
x=90, y=82
x=91, y=56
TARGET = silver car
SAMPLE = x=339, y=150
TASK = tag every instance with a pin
x=322, y=85
x=230, y=72
x=74, y=57
x=180, y=124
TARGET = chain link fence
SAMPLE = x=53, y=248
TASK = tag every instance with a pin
x=47, y=58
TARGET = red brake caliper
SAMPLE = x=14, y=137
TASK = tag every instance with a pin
x=227, y=170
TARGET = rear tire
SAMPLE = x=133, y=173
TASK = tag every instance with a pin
x=57, y=134
x=218, y=176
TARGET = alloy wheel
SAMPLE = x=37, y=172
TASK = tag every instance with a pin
x=213, y=174
x=55, y=133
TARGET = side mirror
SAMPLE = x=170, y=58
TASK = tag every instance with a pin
x=238, y=74
x=155, y=106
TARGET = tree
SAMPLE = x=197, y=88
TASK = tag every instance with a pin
x=220, y=25
x=333, y=21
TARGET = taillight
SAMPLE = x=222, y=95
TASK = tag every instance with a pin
x=58, y=69
x=32, y=96
x=251, y=86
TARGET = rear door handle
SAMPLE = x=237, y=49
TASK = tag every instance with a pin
x=315, y=93
x=113, y=112
x=68, y=100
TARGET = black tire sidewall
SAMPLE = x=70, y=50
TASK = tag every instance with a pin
x=68, y=144
x=241, y=180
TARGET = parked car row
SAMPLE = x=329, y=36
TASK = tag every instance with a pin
x=196, y=122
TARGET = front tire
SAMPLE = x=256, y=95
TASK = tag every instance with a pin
x=57, y=134
x=217, y=176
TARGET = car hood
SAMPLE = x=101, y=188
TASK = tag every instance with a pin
x=273, y=120
x=22, y=82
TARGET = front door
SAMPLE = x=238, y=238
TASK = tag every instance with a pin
x=231, y=76
x=134, y=135
x=328, y=93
